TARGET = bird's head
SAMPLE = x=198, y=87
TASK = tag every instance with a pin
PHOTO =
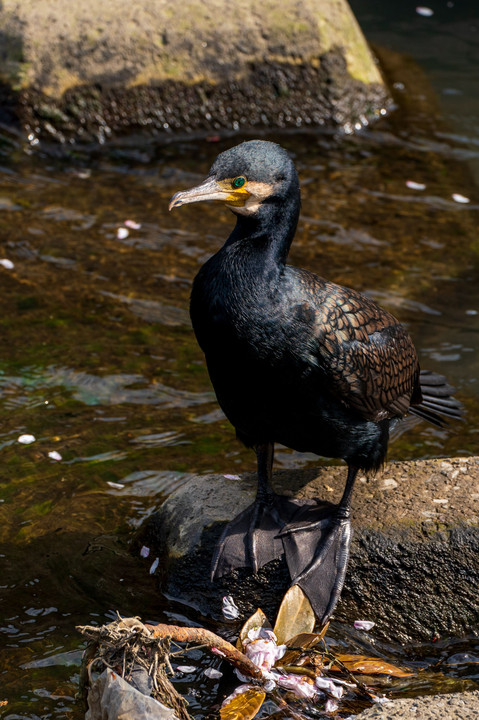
x=246, y=178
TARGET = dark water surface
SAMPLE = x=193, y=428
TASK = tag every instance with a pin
x=99, y=364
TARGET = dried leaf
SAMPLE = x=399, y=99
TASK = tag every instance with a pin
x=307, y=640
x=295, y=615
x=369, y=666
x=259, y=619
x=244, y=706
x=300, y=643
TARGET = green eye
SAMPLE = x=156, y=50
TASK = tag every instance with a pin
x=238, y=182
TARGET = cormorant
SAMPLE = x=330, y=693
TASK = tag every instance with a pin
x=297, y=360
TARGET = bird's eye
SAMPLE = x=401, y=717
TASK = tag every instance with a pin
x=238, y=182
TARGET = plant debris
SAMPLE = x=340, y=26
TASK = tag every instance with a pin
x=126, y=645
x=289, y=665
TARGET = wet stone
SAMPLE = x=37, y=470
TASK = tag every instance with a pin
x=414, y=566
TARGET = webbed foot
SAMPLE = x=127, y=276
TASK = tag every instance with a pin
x=251, y=539
x=316, y=546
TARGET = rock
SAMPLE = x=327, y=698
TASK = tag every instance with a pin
x=89, y=68
x=414, y=566
x=458, y=706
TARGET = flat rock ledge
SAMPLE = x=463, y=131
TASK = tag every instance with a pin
x=458, y=706
x=83, y=71
x=414, y=566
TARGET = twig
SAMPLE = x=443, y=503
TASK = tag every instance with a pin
x=210, y=640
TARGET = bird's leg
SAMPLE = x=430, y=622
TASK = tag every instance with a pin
x=251, y=539
x=264, y=457
x=265, y=520
x=316, y=545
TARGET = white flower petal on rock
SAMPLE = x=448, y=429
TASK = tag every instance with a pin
x=230, y=609
x=212, y=673
x=122, y=233
x=364, y=624
x=7, y=264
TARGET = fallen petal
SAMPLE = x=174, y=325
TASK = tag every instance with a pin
x=330, y=687
x=331, y=705
x=122, y=233
x=424, y=11
x=54, y=455
x=7, y=264
x=26, y=439
x=260, y=632
x=145, y=551
x=212, y=673
x=230, y=609
x=457, y=197
x=186, y=669
x=117, y=486
x=217, y=651
x=132, y=224
x=154, y=565
x=364, y=625
x=299, y=684
x=415, y=185
x=379, y=698
x=232, y=477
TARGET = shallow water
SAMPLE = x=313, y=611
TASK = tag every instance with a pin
x=99, y=364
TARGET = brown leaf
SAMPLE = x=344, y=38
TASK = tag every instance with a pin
x=300, y=643
x=369, y=666
x=295, y=615
x=259, y=619
x=307, y=640
x=243, y=706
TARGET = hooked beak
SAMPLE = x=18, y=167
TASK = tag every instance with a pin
x=211, y=189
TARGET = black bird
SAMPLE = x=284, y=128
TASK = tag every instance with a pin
x=297, y=360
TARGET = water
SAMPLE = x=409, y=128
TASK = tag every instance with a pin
x=98, y=361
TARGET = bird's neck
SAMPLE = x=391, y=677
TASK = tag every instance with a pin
x=266, y=236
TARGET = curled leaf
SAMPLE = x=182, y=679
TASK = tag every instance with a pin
x=258, y=620
x=299, y=644
x=244, y=706
x=295, y=615
x=369, y=666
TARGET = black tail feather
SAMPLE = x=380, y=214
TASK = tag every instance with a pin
x=437, y=400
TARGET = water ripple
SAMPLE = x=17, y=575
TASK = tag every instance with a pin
x=100, y=390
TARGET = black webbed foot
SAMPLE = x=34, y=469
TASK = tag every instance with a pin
x=316, y=546
x=251, y=539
